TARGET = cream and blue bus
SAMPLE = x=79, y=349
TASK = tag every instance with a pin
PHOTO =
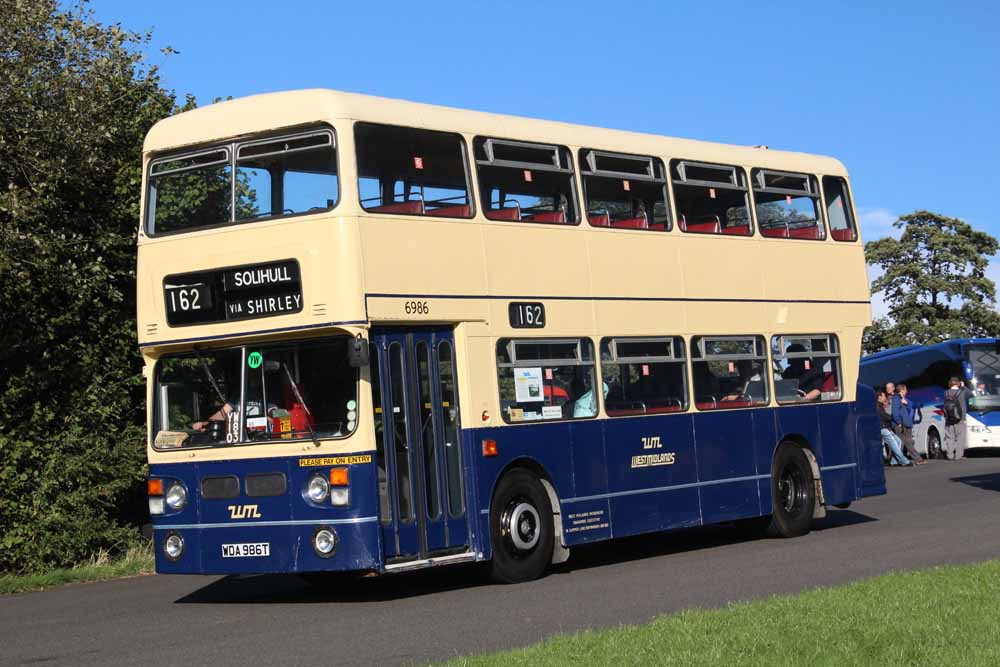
x=381, y=336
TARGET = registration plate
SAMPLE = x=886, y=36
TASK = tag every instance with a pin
x=246, y=550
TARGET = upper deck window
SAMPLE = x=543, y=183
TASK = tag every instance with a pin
x=253, y=180
x=525, y=182
x=710, y=198
x=406, y=171
x=787, y=205
x=624, y=191
x=838, y=209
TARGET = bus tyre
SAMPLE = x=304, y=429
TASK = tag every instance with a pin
x=793, y=494
x=520, y=528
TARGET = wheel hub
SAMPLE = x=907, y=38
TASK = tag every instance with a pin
x=521, y=524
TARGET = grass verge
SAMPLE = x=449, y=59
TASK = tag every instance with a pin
x=941, y=616
x=138, y=560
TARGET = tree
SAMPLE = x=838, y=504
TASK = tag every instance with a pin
x=77, y=99
x=934, y=282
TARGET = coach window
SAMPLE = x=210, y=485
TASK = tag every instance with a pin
x=710, y=198
x=787, y=205
x=806, y=368
x=728, y=371
x=838, y=209
x=624, y=191
x=406, y=171
x=546, y=379
x=525, y=182
x=644, y=375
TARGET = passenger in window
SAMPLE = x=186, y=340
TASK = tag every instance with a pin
x=806, y=371
x=585, y=404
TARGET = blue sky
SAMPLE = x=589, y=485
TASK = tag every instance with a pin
x=906, y=94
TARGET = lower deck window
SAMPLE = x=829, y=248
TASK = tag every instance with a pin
x=546, y=379
x=644, y=375
x=255, y=393
x=806, y=368
x=728, y=372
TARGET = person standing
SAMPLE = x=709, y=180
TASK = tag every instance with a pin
x=890, y=439
x=955, y=407
x=902, y=417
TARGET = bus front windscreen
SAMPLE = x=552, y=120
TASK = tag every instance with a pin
x=255, y=393
x=985, y=361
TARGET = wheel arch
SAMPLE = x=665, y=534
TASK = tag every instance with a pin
x=560, y=552
x=799, y=441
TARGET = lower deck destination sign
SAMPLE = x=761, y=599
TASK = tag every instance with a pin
x=233, y=293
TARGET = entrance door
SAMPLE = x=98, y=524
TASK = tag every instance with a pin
x=421, y=489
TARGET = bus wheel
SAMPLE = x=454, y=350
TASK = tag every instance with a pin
x=793, y=494
x=520, y=528
x=933, y=444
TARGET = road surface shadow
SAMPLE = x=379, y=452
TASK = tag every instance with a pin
x=349, y=588
x=990, y=482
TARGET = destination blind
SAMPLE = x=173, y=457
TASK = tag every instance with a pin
x=234, y=293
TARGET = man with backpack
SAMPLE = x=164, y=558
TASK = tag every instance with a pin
x=955, y=407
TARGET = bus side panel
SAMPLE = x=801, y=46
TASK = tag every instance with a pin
x=839, y=465
x=543, y=444
x=653, y=471
x=764, y=422
x=869, y=441
x=727, y=466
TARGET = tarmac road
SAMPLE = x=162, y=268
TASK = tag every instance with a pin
x=945, y=512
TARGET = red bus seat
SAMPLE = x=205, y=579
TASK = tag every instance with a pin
x=630, y=223
x=804, y=233
x=554, y=216
x=505, y=214
x=829, y=382
x=658, y=226
x=774, y=232
x=453, y=211
x=599, y=220
x=703, y=227
x=415, y=207
x=845, y=234
x=737, y=230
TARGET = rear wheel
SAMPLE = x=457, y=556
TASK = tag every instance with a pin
x=934, y=445
x=793, y=494
x=520, y=528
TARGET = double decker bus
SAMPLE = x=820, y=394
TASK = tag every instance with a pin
x=381, y=335
x=926, y=371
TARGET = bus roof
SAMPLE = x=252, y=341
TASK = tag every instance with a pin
x=270, y=111
x=906, y=349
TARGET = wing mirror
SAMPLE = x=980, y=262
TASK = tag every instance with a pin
x=357, y=352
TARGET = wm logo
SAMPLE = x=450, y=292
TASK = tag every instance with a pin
x=243, y=512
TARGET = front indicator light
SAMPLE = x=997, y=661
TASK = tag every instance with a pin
x=156, y=506
x=154, y=487
x=318, y=489
x=338, y=477
x=325, y=542
x=340, y=497
x=176, y=496
x=173, y=546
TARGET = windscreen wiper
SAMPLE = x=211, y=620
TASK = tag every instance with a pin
x=295, y=390
x=211, y=378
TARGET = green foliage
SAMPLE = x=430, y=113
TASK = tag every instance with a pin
x=77, y=100
x=934, y=282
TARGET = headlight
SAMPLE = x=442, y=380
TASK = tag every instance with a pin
x=978, y=429
x=173, y=546
x=325, y=542
x=176, y=496
x=318, y=489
